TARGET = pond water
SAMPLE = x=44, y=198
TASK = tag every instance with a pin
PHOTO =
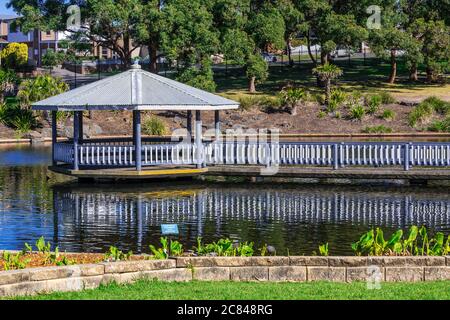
x=294, y=218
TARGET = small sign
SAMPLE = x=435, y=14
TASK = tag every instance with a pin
x=167, y=229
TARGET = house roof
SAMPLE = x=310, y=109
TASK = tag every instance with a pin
x=8, y=17
x=135, y=89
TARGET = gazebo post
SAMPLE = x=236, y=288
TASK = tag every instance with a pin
x=217, y=124
x=198, y=138
x=189, y=124
x=54, y=137
x=76, y=137
x=137, y=139
x=80, y=128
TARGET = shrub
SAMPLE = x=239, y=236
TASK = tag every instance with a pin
x=15, y=55
x=337, y=99
x=388, y=114
x=23, y=122
x=440, y=126
x=321, y=114
x=357, y=112
x=387, y=98
x=154, y=126
x=292, y=97
x=440, y=106
x=40, y=88
x=266, y=104
x=377, y=129
x=373, y=103
x=201, y=78
x=420, y=113
x=8, y=83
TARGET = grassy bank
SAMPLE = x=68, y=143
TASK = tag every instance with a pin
x=155, y=290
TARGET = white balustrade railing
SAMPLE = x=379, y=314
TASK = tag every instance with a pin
x=253, y=153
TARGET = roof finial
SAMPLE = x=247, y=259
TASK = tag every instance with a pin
x=136, y=64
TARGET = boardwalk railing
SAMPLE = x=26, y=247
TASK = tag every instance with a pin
x=336, y=155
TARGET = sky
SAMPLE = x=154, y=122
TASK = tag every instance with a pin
x=3, y=9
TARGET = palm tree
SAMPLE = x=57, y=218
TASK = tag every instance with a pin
x=326, y=73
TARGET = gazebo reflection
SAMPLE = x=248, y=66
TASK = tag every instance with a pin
x=132, y=216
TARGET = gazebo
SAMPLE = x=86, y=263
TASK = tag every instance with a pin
x=135, y=90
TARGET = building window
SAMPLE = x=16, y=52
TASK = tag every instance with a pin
x=13, y=28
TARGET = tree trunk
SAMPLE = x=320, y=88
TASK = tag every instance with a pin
x=251, y=85
x=289, y=52
x=323, y=57
x=308, y=44
x=413, y=73
x=153, y=53
x=430, y=75
x=393, y=74
x=327, y=91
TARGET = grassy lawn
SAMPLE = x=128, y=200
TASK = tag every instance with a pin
x=367, y=77
x=155, y=290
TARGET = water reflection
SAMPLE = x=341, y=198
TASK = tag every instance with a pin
x=296, y=218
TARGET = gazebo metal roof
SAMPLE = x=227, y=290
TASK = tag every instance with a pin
x=135, y=89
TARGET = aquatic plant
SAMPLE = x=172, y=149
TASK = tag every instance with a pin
x=115, y=254
x=324, y=249
x=173, y=248
x=13, y=261
x=43, y=246
x=416, y=243
x=225, y=247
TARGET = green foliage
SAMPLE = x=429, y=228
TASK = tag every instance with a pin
x=42, y=246
x=52, y=58
x=8, y=82
x=322, y=114
x=14, y=55
x=377, y=129
x=257, y=68
x=337, y=100
x=22, y=120
x=292, y=97
x=387, y=98
x=13, y=261
x=388, y=114
x=357, y=112
x=40, y=88
x=417, y=243
x=440, y=126
x=225, y=248
x=168, y=249
x=327, y=72
x=115, y=254
x=201, y=78
x=324, y=250
x=440, y=106
x=373, y=103
x=154, y=126
x=420, y=114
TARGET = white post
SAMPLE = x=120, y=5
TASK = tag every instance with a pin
x=198, y=139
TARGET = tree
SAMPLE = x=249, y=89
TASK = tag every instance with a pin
x=293, y=97
x=42, y=87
x=52, y=58
x=256, y=71
x=326, y=73
x=294, y=23
x=14, y=55
x=190, y=39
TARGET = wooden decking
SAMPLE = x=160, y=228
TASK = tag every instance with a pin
x=130, y=173
x=365, y=173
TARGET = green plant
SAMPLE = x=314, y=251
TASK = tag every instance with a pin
x=337, y=99
x=172, y=248
x=292, y=97
x=323, y=249
x=24, y=121
x=14, y=55
x=387, y=98
x=42, y=246
x=28, y=249
x=338, y=115
x=64, y=261
x=416, y=242
x=40, y=88
x=357, y=112
x=226, y=248
x=326, y=73
x=377, y=129
x=440, y=106
x=373, y=103
x=154, y=126
x=440, y=126
x=14, y=261
x=388, y=114
x=420, y=113
x=115, y=254
x=263, y=250
x=322, y=114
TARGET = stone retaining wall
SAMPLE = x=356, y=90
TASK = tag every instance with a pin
x=340, y=269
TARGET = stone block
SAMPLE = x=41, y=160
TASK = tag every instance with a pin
x=66, y=284
x=406, y=274
x=249, y=274
x=13, y=276
x=386, y=261
x=335, y=274
x=347, y=261
x=169, y=275
x=268, y=261
x=140, y=265
x=287, y=273
x=368, y=273
x=92, y=282
x=48, y=273
x=308, y=261
x=23, y=288
x=425, y=261
x=436, y=273
x=211, y=273
x=91, y=269
x=214, y=261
